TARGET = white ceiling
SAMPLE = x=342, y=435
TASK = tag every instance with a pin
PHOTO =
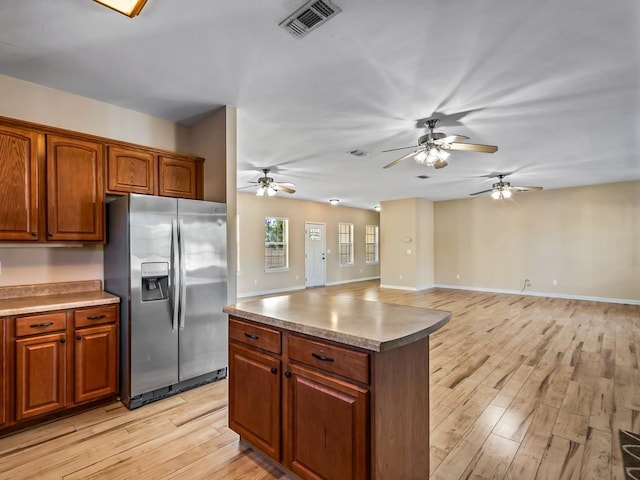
x=555, y=84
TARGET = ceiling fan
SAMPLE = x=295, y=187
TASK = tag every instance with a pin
x=502, y=189
x=432, y=147
x=268, y=187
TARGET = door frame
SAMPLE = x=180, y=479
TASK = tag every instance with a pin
x=324, y=253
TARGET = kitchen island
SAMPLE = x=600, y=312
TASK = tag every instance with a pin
x=332, y=387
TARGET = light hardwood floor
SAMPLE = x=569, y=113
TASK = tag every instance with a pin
x=521, y=388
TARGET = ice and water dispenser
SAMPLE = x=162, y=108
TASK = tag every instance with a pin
x=155, y=281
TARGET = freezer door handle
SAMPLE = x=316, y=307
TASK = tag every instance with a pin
x=183, y=282
x=176, y=273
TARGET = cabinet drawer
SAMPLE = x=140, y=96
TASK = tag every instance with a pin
x=341, y=361
x=88, y=317
x=257, y=336
x=34, y=324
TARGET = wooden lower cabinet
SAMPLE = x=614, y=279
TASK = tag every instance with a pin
x=326, y=425
x=313, y=422
x=96, y=353
x=332, y=411
x=53, y=361
x=40, y=374
x=3, y=373
x=254, y=392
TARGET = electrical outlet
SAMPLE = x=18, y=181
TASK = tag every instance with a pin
x=400, y=276
x=255, y=282
x=555, y=282
x=527, y=282
x=297, y=277
x=457, y=276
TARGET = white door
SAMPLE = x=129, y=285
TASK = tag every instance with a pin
x=314, y=253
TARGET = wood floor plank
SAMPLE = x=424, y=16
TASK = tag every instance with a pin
x=521, y=388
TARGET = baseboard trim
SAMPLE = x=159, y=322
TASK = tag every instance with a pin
x=410, y=289
x=543, y=294
x=270, y=292
x=302, y=287
x=353, y=280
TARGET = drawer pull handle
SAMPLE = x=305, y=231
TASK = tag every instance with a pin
x=38, y=325
x=96, y=317
x=252, y=337
x=322, y=358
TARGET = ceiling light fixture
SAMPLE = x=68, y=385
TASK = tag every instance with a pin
x=377, y=208
x=334, y=201
x=500, y=193
x=130, y=8
x=267, y=191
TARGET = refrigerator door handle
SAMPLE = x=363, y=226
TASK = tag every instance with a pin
x=176, y=273
x=183, y=281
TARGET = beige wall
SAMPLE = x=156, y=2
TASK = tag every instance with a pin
x=252, y=211
x=214, y=138
x=585, y=238
x=406, y=239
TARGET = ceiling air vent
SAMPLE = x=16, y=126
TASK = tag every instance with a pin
x=309, y=17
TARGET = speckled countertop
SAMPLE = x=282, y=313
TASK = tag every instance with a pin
x=359, y=323
x=25, y=299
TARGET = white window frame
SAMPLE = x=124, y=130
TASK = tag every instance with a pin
x=375, y=244
x=284, y=243
x=348, y=244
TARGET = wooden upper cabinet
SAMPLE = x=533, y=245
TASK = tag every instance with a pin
x=19, y=193
x=178, y=177
x=75, y=189
x=131, y=170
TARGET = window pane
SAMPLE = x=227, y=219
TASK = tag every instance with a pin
x=345, y=243
x=276, y=251
x=371, y=244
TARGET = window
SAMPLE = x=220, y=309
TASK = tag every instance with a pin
x=345, y=243
x=276, y=244
x=371, y=244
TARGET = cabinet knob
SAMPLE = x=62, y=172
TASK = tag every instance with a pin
x=63, y=340
x=287, y=374
x=50, y=234
x=274, y=370
x=79, y=337
x=34, y=234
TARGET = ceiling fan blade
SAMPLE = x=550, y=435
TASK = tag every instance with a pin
x=248, y=186
x=401, y=148
x=287, y=184
x=440, y=163
x=395, y=162
x=482, y=192
x=451, y=139
x=279, y=186
x=526, y=189
x=471, y=147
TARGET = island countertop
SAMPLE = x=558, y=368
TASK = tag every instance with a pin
x=359, y=323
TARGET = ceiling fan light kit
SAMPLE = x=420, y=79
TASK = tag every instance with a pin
x=130, y=8
x=432, y=148
x=502, y=189
x=268, y=187
x=334, y=201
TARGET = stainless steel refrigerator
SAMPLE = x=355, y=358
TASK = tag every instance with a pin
x=166, y=259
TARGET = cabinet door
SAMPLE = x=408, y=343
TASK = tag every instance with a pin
x=254, y=398
x=96, y=362
x=177, y=177
x=326, y=426
x=131, y=170
x=75, y=190
x=40, y=375
x=18, y=184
